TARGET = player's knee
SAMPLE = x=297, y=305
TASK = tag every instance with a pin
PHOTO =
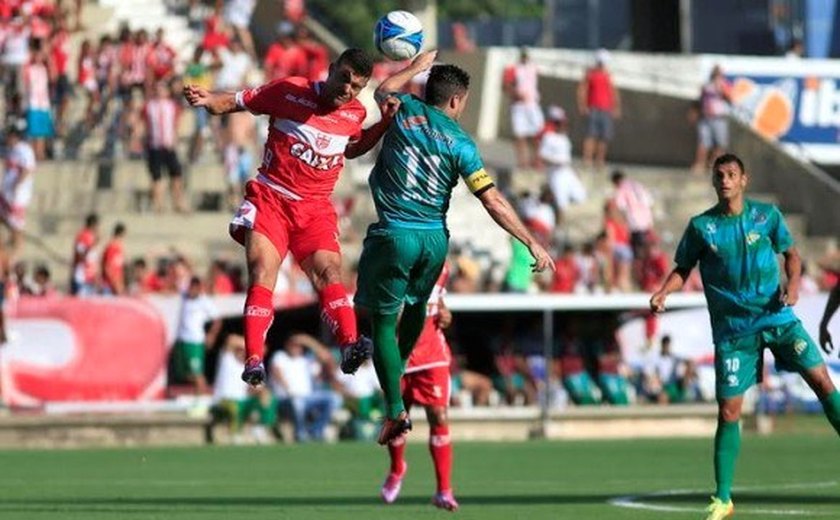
x=730, y=413
x=437, y=416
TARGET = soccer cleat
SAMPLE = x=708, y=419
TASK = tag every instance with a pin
x=392, y=485
x=254, y=373
x=718, y=509
x=445, y=500
x=393, y=428
x=354, y=354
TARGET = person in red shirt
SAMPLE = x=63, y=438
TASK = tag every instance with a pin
x=317, y=55
x=218, y=280
x=285, y=57
x=618, y=237
x=160, y=59
x=313, y=126
x=83, y=273
x=567, y=272
x=651, y=268
x=598, y=99
x=113, y=263
x=427, y=383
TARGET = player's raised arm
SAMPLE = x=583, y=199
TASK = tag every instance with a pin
x=395, y=83
x=502, y=212
x=216, y=103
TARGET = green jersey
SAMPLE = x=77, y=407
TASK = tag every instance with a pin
x=739, y=267
x=423, y=153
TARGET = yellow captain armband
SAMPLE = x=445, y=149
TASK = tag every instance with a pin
x=479, y=181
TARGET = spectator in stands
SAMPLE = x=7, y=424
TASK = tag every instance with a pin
x=160, y=60
x=236, y=64
x=576, y=380
x=588, y=268
x=317, y=55
x=461, y=38
x=161, y=118
x=239, y=164
x=567, y=273
x=218, y=279
x=363, y=398
x=526, y=117
x=519, y=275
x=198, y=73
x=237, y=14
x=106, y=70
x=285, y=57
x=636, y=205
x=15, y=53
x=293, y=374
x=234, y=401
x=713, y=125
x=538, y=214
x=618, y=237
x=611, y=371
x=663, y=375
x=598, y=99
x=191, y=340
x=59, y=50
x=113, y=263
x=651, y=268
x=215, y=33
x=36, y=96
x=17, y=187
x=142, y=280
x=83, y=273
x=556, y=152
x=87, y=79
x=42, y=282
x=604, y=265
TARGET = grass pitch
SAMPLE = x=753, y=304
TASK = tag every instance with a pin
x=789, y=475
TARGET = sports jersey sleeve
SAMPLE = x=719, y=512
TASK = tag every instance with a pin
x=780, y=234
x=472, y=170
x=689, y=249
x=266, y=99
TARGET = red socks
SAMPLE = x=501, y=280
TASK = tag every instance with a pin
x=440, y=447
x=259, y=313
x=396, y=449
x=337, y=312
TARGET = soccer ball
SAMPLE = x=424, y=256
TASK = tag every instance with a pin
x=398, y=35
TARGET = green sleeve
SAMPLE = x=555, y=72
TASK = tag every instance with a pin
x=779, y=233
x=689, y=249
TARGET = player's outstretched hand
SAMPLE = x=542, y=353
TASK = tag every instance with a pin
x=657, y=302
x=196, y=96
x=424, y=60
x=825, y=339
x=542, y=260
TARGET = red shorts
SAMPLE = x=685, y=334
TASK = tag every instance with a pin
x=429, y=387
x=299, y=226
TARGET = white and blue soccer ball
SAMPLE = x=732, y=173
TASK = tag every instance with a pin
x=398, y=35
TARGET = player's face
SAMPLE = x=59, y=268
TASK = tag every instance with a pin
x=342, y=85
x=729, y=181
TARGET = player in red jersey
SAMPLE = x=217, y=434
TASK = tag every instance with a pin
x=427, y=383
x=313, y=126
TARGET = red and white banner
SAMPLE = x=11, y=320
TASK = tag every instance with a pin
x=94, y=349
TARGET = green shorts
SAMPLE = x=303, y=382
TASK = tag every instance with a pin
x=399, y=266
x=187, y=361
x=739, y=361
x=614, y=389
x=580, y=387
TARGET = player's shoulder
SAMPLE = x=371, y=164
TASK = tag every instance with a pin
x=353, y=111
x=758, y=209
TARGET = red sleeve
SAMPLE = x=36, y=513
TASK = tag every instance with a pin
x=509, y=76
x=265, y=99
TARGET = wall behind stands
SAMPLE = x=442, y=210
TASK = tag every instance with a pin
x=653, y=129
x=800, y=187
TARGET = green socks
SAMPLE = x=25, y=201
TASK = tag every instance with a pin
x=727, y=446
x=387, y=361
x=831, y=405
x=411, y=326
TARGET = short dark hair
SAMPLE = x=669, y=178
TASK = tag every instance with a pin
x=444, y=82
x=119, y=229
x=91, y=220
x=726, y=159
x=358, y=60
x=617, y=176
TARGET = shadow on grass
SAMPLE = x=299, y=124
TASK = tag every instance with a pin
x=156, y=504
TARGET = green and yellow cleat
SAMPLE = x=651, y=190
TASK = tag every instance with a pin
x=718, y=509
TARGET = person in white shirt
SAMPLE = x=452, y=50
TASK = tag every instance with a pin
x=294, y=372
x=17, y=186
x=526, y=117
x=556, y=152
x=191, y=341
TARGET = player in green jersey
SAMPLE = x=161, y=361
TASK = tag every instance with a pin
x=424, y=153
x=736, y=243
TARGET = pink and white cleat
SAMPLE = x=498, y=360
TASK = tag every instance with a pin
x=445, y=500
x=392, y=485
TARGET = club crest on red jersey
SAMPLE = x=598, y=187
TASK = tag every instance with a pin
x=322, y=141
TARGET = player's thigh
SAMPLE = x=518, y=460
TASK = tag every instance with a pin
x=737, y=365
x=261, y=214
x=429, y=388
x=426, y=270
x=385, y=269
x=314, y=227
x=793, y=348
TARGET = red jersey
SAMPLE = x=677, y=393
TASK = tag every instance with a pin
x=431, y=349
x=566, y=275
x=304, y=152
x=653, y=271
x=599, y=93
x=282, y=62
x=84, y=267
x=113, y=265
